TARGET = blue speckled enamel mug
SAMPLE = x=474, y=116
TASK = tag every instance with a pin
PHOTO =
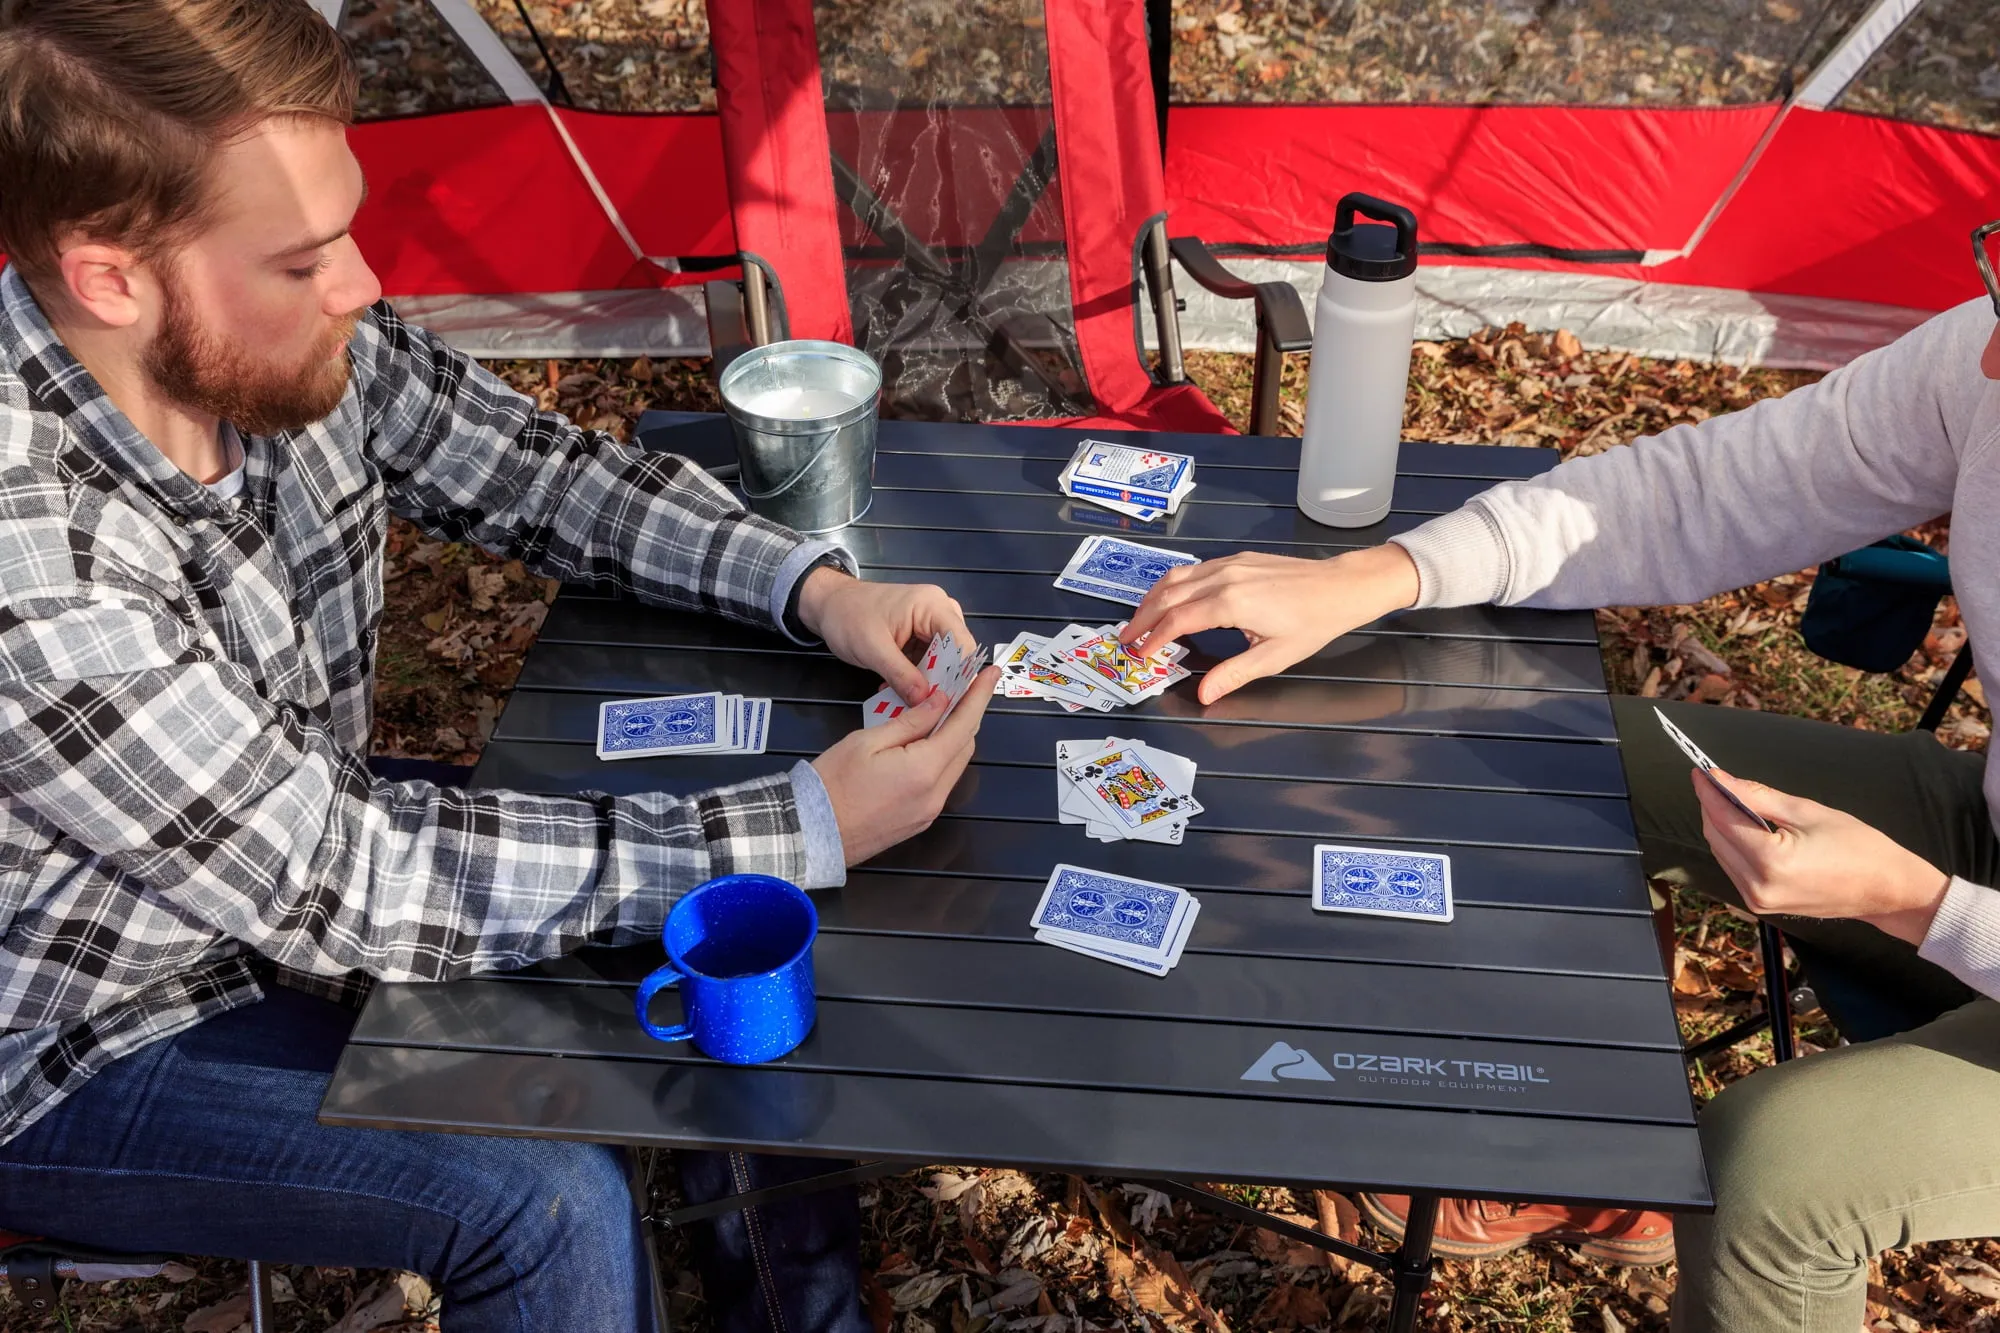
x=741, y=951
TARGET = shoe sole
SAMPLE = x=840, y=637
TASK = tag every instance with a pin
x=1625, y=1253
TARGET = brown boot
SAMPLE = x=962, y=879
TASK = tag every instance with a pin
x=1480, y=1229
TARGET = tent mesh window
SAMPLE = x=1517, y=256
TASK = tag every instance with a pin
x=940, y=120
x=411, y=62
x=1941, y=68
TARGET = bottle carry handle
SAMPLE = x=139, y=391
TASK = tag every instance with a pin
x=1381, y=210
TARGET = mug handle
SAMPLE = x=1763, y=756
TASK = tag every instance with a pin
x=655, y=983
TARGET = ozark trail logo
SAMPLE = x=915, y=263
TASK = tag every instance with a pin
x=1283, y=1061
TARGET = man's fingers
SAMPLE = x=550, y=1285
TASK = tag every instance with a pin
x=1258, y=660
x=959, y=729
x=912, y=724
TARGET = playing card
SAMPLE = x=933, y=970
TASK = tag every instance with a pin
x=671, y=724
x=885, y=705
x=1130, y=790
x=1136, y=961
x=1705, y=764
x=1075, y=806
x=956, y=680
x=1133, y=916
x=1132, y=961
x=1118, y=570
x=1051, y=682
x=1373, y=882
x=1107, y=661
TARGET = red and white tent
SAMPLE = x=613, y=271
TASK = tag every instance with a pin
x=1791, y=228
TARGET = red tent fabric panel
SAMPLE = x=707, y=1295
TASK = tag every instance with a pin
x=1107, y=155
x=664, y=173
x=777, y=158
x=1592, y=178
x=481, y=201
x=1854, y=207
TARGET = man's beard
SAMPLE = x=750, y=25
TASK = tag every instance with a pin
x=257, y=397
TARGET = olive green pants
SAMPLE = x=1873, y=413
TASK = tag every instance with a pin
x=1821, y=1163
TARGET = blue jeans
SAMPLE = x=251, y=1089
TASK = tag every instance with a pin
x=206, y=1143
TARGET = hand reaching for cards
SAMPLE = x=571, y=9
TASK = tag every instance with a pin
x=1821, y=862
x=1288, y=608
x=890, y=782
x=870, y=624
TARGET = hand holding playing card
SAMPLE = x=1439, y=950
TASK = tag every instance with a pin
x=871, y=624
x=888, y=782
x=1288, y=608
x=1821, y=862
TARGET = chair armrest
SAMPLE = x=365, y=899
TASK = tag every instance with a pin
x=1280, y=312
x=728, y=331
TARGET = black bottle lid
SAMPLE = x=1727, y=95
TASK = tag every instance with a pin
x=1369, y=252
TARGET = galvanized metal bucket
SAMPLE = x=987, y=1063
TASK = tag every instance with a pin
x=805, y=413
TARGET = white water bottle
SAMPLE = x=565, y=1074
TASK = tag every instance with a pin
x=1363, y=325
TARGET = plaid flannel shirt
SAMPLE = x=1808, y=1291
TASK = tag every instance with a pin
x=185, y=687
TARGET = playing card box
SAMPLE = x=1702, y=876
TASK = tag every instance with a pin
x=1143, y=483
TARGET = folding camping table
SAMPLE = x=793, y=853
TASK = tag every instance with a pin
x=1526, y=1050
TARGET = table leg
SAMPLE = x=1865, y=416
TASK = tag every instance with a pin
x=729, y=1203
x=1411, y=1267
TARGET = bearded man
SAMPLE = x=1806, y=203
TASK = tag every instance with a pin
x=207, y=416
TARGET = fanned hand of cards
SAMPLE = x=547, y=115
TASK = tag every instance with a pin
x=710, y=723
x=1134, y=923
x=1085, y=666
x=1123, y=790
x=1140, y=483
x=945, y=665
x=1118, y=570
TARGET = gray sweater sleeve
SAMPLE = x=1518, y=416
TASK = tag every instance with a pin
x=1874, y=448
x=1679, y=516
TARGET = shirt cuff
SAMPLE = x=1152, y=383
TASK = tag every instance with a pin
x=826, y=858
x=1964, y=938
x=1461, y=558
x=794, y=567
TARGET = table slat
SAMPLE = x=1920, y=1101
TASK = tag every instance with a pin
x=1064, y=1050
x=1087, y=1130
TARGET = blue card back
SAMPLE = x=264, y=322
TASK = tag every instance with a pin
x=1382, y=883
x=679, y=722
x=1128, y=565
x=1130, y=913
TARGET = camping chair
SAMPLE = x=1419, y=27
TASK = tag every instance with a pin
x=980, y=214
x=35, y=1268
x=1869, y=609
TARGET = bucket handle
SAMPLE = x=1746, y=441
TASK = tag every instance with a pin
x=796, y=476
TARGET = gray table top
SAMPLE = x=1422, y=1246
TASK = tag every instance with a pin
x=1528, y=1049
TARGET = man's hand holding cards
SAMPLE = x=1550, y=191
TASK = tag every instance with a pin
x=946, y=665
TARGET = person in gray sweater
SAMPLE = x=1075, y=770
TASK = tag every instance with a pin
x=1885, y=852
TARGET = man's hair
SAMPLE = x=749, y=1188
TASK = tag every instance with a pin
x=111, y=111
